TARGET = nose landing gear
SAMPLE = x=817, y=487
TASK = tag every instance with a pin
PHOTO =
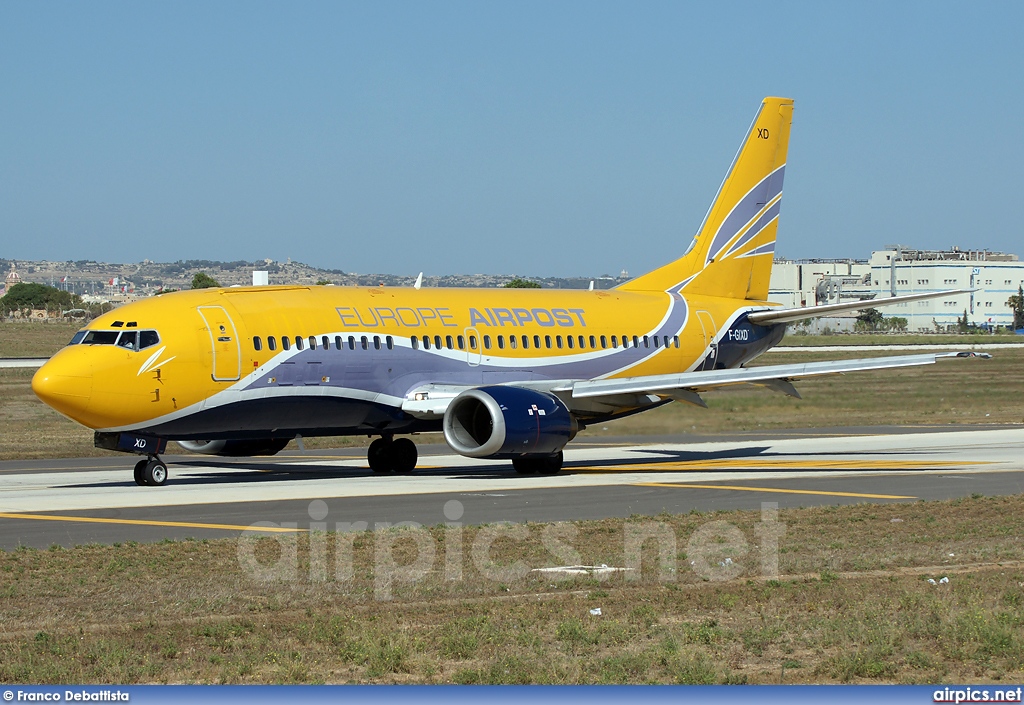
x=151, y=472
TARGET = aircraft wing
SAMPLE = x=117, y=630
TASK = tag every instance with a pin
x=685, y=385
x=786, y=315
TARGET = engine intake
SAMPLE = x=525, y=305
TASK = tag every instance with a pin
x=507, y=422
x=235, y=449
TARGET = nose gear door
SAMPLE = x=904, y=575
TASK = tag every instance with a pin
x=227, y=351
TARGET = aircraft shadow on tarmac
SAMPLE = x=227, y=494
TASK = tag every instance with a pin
x=257, y=471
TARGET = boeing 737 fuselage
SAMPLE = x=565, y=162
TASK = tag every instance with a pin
x=507, y=373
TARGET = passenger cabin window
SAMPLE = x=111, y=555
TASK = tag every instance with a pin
x=338, y=342
x=426, y=342
x=615, y=342
x=526, y=342
x=376, y=342
x=272, y=342
x=312, y=342
x=327, y=342
x=364, y=342
x=604, y=342
x=568, y=340
x=415, y=342
x=501, y=342
x=512, y=342
x=536, y=342
x=285, y=343
x=558, y=341
x=487, y=342
x=390, y=342
x=257, y=344
x=472, y=342
x=547, y=341
x=448, y=342
x=298, y=342
x=437, y=342
x=351, y=342
x=462, y=342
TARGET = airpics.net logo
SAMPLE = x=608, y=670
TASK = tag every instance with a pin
x=406, y=553
x=978, y=695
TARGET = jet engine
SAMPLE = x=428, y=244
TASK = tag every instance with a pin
x=233, y=448
x=507, y=422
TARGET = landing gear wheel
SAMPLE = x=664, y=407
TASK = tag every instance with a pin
x=525, y=466
x=543, y=465
x=140, y=467
x=155, y=472
x=403, y=456
x=550, y=465
x=378, y=455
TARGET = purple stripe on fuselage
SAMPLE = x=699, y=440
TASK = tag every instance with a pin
x=748, y=207
x=395, y=372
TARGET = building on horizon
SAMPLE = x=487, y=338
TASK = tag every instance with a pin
x=897, y=270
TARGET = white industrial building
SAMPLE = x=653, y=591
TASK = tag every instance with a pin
x=900, y=270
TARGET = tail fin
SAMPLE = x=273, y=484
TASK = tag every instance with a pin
x=731, y=255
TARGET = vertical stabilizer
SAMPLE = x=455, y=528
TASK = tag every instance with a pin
x=731, y=255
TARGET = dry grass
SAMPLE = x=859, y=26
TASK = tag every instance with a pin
x=28, y=339
x=852, y=604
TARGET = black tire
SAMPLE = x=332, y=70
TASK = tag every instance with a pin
x=140, y=468
x=378, y=455
x=550, y=465
x=525, y=466
x=155, y=473
x=403, y=456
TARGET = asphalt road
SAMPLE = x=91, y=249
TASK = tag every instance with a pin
x=79, y=501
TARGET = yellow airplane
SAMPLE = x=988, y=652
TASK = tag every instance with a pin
x=508, y=373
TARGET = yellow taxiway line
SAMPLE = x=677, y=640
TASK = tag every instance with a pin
x=778, y=490
x=145, y=522
x=740, y=464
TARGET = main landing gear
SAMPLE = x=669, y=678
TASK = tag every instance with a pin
x=389, y=455
x=151, y=472
x=544, y=465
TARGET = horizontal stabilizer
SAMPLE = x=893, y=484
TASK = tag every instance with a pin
x=788, y=315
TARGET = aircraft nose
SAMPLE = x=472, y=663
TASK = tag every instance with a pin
x=64, y=383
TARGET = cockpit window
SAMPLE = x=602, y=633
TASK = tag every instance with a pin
x=100, y=337
x=148, y=338
x=129, y=339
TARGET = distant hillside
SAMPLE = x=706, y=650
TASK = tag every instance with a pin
x=89, y=277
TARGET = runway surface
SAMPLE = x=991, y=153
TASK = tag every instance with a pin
x=71, y=502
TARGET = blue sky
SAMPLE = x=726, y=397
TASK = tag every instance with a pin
x=539, y=138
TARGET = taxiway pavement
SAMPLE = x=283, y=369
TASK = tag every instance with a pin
x=72, y=502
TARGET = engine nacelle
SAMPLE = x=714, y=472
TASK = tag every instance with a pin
x=507, y=422
x=234, y=449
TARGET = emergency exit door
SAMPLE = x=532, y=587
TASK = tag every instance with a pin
x=227, y=351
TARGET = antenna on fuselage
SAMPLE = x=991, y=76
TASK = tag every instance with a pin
x=419, y=281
